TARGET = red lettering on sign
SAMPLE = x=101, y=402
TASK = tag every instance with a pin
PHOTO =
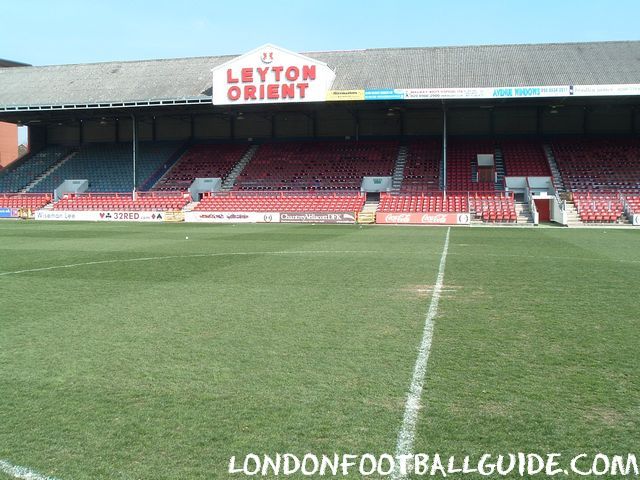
x=272, y=92
x=249, y=92
x=234, y=93
x=288, y=90
x=292, y=74
x=277, y=71
x=308, y=72
x=247, y=75
x=302, y=87
x=263, y=73
x=230, y=78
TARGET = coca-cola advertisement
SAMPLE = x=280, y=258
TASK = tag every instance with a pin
x=424, y=218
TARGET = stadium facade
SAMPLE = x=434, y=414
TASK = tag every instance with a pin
x=270, y=96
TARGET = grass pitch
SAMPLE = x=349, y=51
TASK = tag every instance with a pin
x=144, y=355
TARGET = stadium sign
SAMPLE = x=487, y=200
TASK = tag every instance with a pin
x=632, y=89
x=270, y=74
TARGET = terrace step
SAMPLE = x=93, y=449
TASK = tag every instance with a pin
x=523, y=212
x=370, y=206
x=230, y=181
x=555, y=171
x=398, y=171
x=500, y=169
x=49, y=171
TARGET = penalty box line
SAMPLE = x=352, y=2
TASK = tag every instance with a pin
x=406, y=436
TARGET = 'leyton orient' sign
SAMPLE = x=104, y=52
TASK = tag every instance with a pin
x=271, y=74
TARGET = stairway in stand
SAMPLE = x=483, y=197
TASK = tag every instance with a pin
x=553, y=165
x=398, y=171
x=524, y=215
x=238, y=168
x=49, y=171
x=500, y=170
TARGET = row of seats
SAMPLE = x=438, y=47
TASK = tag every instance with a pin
x=201, y=161
x=524, y=158
x=109, y=167
x=24, y=200
x=317, y=165
x=281, y=203
x=598, y=207
x=634, y=202
x=494, y=208
x=422, y=167
x=462, y=173
x=15, y=178
x=598, y=164
x=141, y=202
x=488, y=207
x=422, y=202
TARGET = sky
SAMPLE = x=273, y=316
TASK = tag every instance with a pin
x=48, y=32
x=53, y=32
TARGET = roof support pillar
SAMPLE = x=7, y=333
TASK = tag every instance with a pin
x=444, y=148
x=134, y=137
x=80, y=132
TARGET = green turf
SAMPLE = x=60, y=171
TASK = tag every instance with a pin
x=162, y=368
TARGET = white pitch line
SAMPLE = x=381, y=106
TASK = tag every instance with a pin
x=23, y=473
x=195, y=255
x=407, y=433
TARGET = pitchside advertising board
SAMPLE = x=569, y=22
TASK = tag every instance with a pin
x=103, y=216
x=8, y=213
x=271, y=217
x=423, y=218
x=232, y=217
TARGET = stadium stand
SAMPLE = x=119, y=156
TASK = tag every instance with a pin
x=24, y=200
x=634, y=202
x=317, y=165
x=462, y=165
x=499, y=207
x=301, y=201
x=108, y=166
x=598, y=207
x=148, y=201
x=496, y=207
x=423, y=203
x=599, y=164
x=15, y=178
x=524, y=158
x=201, y=161
x=422, y=170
